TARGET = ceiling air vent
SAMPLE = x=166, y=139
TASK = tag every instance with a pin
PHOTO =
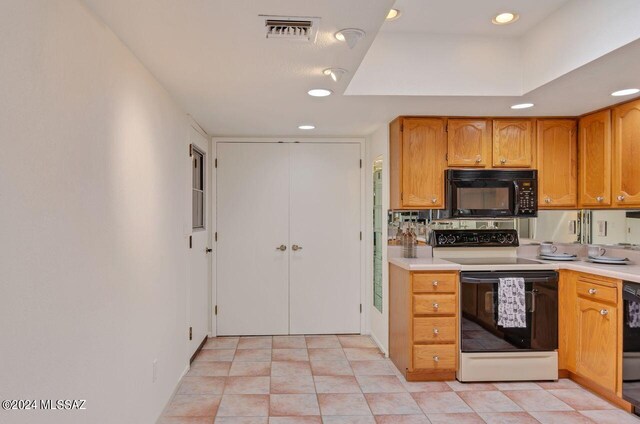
x=292, y=27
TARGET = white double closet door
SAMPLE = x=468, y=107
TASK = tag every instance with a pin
x=272, y=197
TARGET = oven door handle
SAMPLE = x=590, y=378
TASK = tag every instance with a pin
x=516, y=200
x=493, y=280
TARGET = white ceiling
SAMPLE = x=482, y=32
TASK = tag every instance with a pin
x=469, y=17
x=213, y=58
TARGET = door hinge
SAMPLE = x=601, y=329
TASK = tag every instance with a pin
x=361, y=308
x=216, y=310
x=190, y=150
x=215, y=237
x=446, y=156
x=190, y=333
x=190, y=242
x=216, y=162
x=360, y=163
x=401, y=196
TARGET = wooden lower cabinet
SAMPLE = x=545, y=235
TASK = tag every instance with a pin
x=596, y=342
x=423, y=323
x=590, y=332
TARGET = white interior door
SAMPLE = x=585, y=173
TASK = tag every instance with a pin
x=200, y=265
x=252, y=224
x=325, y=223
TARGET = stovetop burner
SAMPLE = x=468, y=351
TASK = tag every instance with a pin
x=493, y=261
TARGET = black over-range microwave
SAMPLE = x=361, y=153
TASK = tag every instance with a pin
x=493, y=193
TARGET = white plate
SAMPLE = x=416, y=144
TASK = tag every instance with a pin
x=608, y=258
x=558, y=257
x=608, y=261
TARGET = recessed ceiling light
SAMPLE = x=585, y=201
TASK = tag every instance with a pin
x=625, y=92
x=505, y=18
x=351, y=36
x=320, y=92
x=522, y=106
x=335, y=73
x=393, y=15
x=306, y=127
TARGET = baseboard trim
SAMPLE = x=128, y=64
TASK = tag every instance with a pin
x=601, y=391
x=377, y=342
x=198, y=349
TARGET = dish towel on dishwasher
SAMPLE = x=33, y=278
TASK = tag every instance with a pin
x=512, y=311
x=633, y=318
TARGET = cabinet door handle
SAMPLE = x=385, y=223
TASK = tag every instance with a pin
x=503, y=161
x=547, y=200
x=436, y=306
x=434, y=199
x=593, y=291
x=599, y=199
x=604, y=312
x=295, y=247
x=436, y=358
x=435, y=283
x=281, y=248
x=436, y=331
x=478, y=159
x=621, y=198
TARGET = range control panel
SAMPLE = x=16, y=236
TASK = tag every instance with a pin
x=474, y=238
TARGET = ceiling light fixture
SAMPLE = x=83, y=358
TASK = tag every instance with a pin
x=334, y=73
x=505, y=18
x=319, y=92
x=522, y=106
x=351, y=36
x=393, y=15
x=306, y=127
x=625, y=92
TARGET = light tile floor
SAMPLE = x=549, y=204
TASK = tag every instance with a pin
x=345, y=379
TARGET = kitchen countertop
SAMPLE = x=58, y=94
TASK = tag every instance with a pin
x=622, y=272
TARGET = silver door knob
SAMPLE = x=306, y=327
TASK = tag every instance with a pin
x=436, y=331
x=478, y=159
x=295, y=247
x=436, y=358
x=503, y=161
x=281, y=248
x=436, y=306
x=435, y=284
x=593, y=291
x=434, y=199
x=547, y=200
x=604, y=312
x=599, y=199
x=621, y=198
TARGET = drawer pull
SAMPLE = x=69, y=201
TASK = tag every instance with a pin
x=435, y=283
x=436, y=331
x=436, y=358
x=593, y=291
x=436, y=306
x=604, y=312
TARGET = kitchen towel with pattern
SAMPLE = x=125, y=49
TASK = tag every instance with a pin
x=512, y=310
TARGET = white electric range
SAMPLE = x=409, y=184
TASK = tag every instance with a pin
x=488, y=351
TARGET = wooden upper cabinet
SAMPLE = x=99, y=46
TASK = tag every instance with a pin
x=596, y=353
x=557, y=163
x=626, y=155
x=469, y=142
x=595, y=160
x=418, y=148
x=513, y=143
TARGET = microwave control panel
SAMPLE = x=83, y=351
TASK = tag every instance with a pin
x=527, y=198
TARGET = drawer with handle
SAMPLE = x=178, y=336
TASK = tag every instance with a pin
x=434, y=357
x=434, y=304
x=434, y=283
x=434, y=330
x=595, y=291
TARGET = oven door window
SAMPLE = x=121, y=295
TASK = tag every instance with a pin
x=482, y=198
x=481, y=333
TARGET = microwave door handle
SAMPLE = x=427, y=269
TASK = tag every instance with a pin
x=516, y=201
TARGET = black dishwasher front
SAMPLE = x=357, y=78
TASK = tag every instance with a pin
x=631, y=344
